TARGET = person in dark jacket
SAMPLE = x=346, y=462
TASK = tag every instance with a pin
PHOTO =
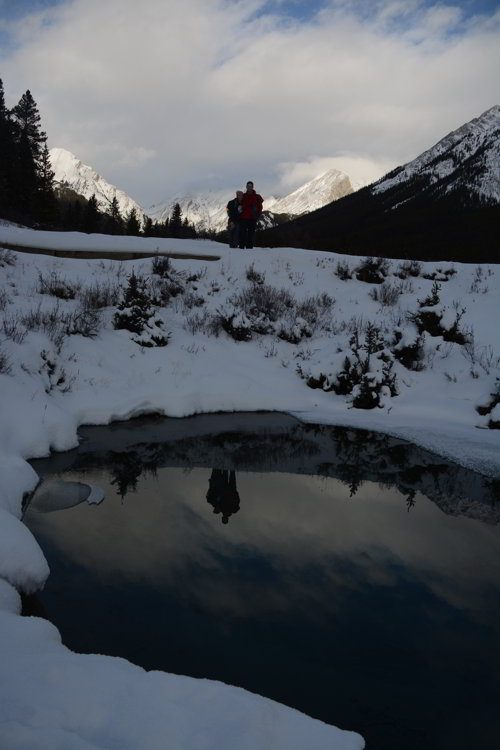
x=234, y=209
x=251, y=211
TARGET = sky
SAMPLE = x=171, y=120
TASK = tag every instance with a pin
x=168, y=96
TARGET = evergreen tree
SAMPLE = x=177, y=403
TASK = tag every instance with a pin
x=147, y=227
x=91, y=216
x=132, y=226
x=136, y=314
x=114, y=221
x=7, y=155
x=30, y=143
x=46, y=204
x=175, y=224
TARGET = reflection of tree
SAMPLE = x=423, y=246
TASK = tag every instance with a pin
x=222, y=493
x=410, y=500
x=126, y=470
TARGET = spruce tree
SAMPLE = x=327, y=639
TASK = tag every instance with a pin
x=7, y=155
x=114, y=222
x=30, y=142
x=132, y=225
x=46, y=204
x=136, y=314
x=91, y=216
x=175, y=224
x=147, y=227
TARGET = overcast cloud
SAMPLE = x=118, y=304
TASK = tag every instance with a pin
x=169, y=95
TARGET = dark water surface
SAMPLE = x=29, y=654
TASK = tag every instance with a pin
x=344, y=573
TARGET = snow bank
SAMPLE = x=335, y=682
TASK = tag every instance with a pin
x=51, y=384
x=104, y=243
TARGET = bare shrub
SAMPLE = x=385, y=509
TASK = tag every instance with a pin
x=84, y=322
x=4, y=299
x=54, y=285
x=14, y=329
x=99, y=294
x=191, y=299
x=316, y=310
x=387, y=294
x=264, y=300
x=5, y=367
x=343, y=270
x=7, y=258
x=161, y=265
x=195, y=323
x=51, y=322
x=256, y=277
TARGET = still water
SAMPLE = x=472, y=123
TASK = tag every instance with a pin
x=343, y=573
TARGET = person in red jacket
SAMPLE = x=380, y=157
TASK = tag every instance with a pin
x=251, y=211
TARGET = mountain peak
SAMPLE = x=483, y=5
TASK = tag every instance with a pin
x=84, y=180
x=466, y=160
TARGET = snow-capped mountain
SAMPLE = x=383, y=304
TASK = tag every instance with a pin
x=84, y=180
x=445, y=204
x=466, y=160
x=207, y=211
x=323, y=189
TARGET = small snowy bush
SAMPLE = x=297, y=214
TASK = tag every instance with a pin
x=410, y=353
x=235, y=323
x=441, y=274
x=136, y=314
x=373, y=270
x=409, y=268
x=294, y=331
x=264, y=301
x=492, y=407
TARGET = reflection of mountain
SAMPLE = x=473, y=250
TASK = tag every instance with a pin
x=353, y=456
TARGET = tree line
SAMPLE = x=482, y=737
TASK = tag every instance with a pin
x=29, y=194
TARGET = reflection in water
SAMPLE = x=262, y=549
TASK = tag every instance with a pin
x=358, y=581
x=222, y=493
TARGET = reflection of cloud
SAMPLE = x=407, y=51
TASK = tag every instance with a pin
x=301, y=526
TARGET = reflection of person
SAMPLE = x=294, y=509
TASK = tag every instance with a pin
x=222, y=493
x=252, y=209
x=234, y=209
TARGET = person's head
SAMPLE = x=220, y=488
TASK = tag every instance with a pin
x=239, y=195
x=249, y=186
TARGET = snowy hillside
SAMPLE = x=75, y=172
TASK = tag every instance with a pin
x=87, y=182
x=398, y=347
x=468, y=159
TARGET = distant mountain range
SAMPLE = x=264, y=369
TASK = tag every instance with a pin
x=206, y=211
x=443, y=204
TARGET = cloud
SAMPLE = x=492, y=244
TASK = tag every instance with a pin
x=181, y=94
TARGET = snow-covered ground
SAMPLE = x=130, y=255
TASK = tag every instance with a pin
x=52, y=380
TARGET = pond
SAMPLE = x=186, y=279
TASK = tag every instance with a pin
x=344, y=573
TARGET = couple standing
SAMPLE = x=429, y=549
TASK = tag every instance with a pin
x=243, y=212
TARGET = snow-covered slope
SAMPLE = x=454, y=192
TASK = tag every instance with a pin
x=86, y=181
x=327, y=187
x=466, y=160
x=207, y=211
